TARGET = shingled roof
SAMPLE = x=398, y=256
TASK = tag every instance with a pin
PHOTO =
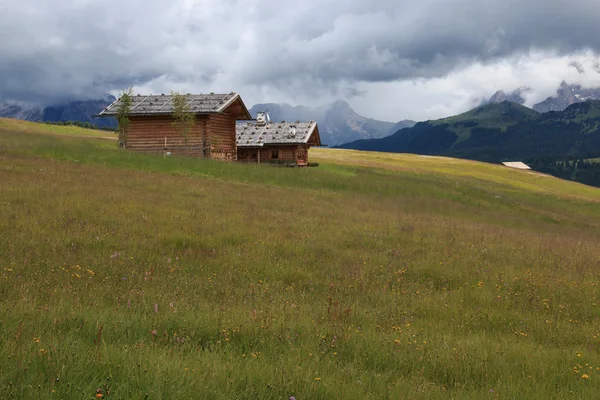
x=163, y=104
x=250, y=134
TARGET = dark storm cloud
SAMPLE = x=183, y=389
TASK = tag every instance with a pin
x=434, y=38
x=52, y=50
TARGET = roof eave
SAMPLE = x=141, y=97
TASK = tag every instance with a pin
x=141, y=114
x=231, y=101
x=103, y=112
x=314, y=128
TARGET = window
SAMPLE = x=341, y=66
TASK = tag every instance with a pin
x=253, y=156
x=275, y=154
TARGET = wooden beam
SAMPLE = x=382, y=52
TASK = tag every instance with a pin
x=134, y=107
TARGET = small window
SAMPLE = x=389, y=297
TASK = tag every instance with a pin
x=253, y=155
x=275, y=154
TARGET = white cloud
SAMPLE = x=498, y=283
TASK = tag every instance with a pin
x=463, y=89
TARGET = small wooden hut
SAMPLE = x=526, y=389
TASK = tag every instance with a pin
x=152, y=129
x=276, y=142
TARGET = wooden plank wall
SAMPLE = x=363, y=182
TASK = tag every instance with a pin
x=212, y=136
x=147, y=134
x=221, y=137
x=297, y=154
x=302, y=155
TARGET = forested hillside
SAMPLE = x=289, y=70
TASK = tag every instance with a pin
x=563, y=143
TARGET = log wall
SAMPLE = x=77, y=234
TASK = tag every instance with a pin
x=221, y=136
x=212, y=136
x=147, y=134
x=296, y=154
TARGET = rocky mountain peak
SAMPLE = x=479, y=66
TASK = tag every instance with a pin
x=516, y=96
x=566, y=95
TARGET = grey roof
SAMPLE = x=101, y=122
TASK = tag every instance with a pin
x=517, y=165
x=249, y=134
x=163, y=104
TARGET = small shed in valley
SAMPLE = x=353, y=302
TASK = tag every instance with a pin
x=261, y=141
x=213, y=134
x=516, y=165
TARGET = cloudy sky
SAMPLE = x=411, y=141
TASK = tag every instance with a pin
x=390, y=59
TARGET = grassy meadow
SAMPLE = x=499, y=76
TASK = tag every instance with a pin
x=372, y=276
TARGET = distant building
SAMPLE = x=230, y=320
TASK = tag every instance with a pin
x=263, y=141
x=517, y=165
x=151, y=127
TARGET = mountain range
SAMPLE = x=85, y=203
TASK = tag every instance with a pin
x=77, y=111
x=566, y=95
x=562, y=127
x=338, y=122
x=505, y=131
x=516, y=96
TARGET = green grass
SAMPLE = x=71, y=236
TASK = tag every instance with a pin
x=371, y=276
x=15, y=125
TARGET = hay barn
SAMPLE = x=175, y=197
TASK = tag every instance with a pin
x=151, y=127
x=283, y=142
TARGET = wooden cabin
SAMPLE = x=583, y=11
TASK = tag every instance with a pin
x=276, y=142
x=152, y=129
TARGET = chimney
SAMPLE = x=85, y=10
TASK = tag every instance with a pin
x=261, y=119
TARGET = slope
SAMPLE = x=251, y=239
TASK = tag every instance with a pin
x=372, y=276
x=432, y=137
x=16, y=125
x=504, y=132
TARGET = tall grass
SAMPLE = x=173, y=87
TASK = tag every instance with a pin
x=132, y=276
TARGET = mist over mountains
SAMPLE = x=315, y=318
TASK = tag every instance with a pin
x=566, y=95
x=338, y=122
x=76, y=111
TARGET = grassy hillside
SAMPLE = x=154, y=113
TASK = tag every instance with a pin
x=16, y=125
x=442, y=135
x=489, y=116
x=371, y=276
x=507, y=132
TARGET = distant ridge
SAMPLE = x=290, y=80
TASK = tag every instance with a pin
x=338, y=122
x=566, y=95
x=76, y=111
x=516, y=96
x=504, y=131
